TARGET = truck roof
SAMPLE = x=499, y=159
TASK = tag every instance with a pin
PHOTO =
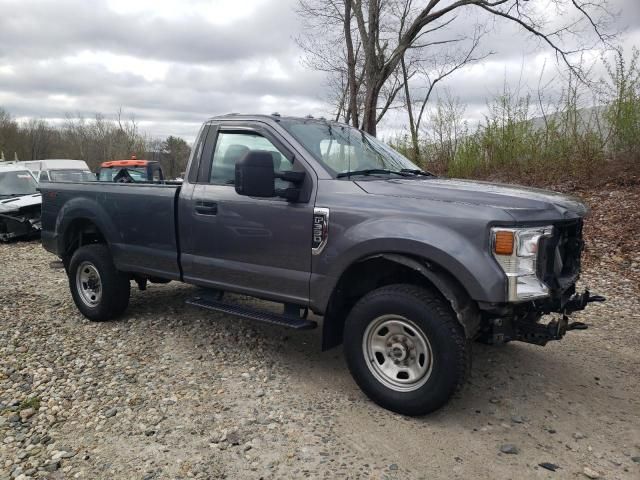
x=132, y=162
x=274, y=117
x=13, y=167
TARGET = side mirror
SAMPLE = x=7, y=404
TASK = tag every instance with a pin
x=255, y=175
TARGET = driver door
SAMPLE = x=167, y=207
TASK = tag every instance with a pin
x=257, y=246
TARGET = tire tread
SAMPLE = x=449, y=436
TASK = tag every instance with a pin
x=116, y=287
x=445, y=318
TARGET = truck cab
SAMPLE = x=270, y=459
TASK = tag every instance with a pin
x=130, y=171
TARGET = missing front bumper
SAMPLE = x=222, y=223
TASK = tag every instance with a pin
x=527, y=327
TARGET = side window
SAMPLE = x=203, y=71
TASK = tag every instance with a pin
x=195, y=167
x=231, y=147
x=156, y=173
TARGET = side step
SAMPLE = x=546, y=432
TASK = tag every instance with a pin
x=263, y=316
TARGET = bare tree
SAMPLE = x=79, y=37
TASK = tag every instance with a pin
x=92, y=140
x=334, y=52
x=39, y=139
x=9, y=135
x=388, y=29
x=448, y=127
x=430, y=70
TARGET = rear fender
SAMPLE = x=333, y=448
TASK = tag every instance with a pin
x=82, y=208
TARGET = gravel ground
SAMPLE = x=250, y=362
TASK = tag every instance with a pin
x=170, y=391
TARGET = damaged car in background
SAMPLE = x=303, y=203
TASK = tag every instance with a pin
x=20, y=203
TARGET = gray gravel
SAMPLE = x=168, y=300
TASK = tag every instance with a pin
x=170, y=391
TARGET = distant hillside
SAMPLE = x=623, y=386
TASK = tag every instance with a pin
x=589, y=119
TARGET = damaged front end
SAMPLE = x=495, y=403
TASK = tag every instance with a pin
x=558, y=254
x=524, y=324
x=20, y=217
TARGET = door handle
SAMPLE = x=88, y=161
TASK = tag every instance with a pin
x=204, y=207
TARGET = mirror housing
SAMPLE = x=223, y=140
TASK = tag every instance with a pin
x=255, y=175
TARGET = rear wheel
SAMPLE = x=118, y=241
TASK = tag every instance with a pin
x=99, y=290
x=406, y=349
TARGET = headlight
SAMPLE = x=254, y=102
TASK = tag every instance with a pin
x=516, y=250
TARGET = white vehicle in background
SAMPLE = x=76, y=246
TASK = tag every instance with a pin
x=59, y=170
x=20, y=202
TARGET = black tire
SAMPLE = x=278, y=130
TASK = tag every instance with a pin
x=115, y=287
x=430, y=316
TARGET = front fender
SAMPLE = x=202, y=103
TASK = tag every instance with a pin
x=461, y=254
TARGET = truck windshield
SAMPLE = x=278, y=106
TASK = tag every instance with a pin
x=69, y=175
x=346, y=151
x=15, y=184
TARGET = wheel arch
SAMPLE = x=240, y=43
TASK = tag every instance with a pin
x=82, y=221
x=385, y=268
x=79, y=232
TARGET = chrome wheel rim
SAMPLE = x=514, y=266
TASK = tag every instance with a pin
x=88, y=284
x=398, y=353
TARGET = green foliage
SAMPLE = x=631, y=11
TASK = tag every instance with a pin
x=515, y=142
x=623, y=111
x=33, y=402
x=176, y=154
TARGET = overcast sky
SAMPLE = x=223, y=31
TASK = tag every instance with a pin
x=174, y=63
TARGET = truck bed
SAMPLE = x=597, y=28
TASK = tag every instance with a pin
x=138, y=221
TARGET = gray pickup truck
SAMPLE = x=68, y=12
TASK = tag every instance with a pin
x=405, y=268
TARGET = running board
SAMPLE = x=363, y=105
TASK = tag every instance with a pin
x=263, y=316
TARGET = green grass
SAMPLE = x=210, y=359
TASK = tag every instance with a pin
x=33, y=402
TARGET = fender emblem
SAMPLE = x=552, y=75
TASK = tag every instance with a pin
x=320, y=230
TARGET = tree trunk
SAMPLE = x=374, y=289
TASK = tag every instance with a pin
x=351, y=66
x=372, y=70
x=412, y=124
x=370, y=107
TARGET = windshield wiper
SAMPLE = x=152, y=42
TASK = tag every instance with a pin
x=9, y=195
x=370, y=171
x=417, y=172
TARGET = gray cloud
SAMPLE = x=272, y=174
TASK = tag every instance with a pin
x=96, y=80
x=69, y=56
x=249, y=65
x=42, y=30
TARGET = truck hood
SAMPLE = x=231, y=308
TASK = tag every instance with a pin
x=515, y=200
x=16, y=203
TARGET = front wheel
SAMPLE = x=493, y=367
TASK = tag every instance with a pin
x=405, y=349
x=99, y=290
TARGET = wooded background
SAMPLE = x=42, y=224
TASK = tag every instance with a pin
x=395, y=56
x=93, y=140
